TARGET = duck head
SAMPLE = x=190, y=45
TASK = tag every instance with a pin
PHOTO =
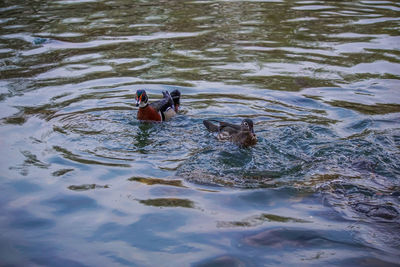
x=176, y=95
x=247, y=125
x=141, y=98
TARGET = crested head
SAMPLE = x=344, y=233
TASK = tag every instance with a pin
x=176, y=95
x=141, y=98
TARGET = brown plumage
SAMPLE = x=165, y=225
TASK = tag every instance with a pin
x=243, y=135
x=161, y=110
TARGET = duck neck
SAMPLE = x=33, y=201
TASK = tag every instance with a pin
x=143, y=105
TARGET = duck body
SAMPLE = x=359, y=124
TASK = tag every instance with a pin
x=243, y=135
x=161, y=110
x=148, y=113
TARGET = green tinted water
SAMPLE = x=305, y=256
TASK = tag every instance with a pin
x=84, y=183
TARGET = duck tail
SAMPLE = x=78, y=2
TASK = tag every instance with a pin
x=210, y=126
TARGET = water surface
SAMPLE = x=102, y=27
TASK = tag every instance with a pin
x=85, y=184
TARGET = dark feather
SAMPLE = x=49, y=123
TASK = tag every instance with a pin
x=210, y=126
x=156, y=105
x=224, y=125
x=243, y=135
x=164, y=103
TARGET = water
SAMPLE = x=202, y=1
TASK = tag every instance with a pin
x=85, y=184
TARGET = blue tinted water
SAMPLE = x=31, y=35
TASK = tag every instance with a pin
x=85, y=184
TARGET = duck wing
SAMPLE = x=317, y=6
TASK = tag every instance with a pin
x=228, y=127
x=157, y=105
x=211, y=127
x=163, y=104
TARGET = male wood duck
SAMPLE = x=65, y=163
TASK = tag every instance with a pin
x=161, y=110
x=243, y=135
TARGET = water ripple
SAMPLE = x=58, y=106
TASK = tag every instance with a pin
x=80, y=174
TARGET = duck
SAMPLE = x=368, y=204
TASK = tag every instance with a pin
x=243, y=135
x=161, y=110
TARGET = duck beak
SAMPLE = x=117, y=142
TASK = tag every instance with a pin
x=253, y=133
x=138, y=100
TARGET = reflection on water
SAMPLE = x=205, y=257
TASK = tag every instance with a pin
x=84, y=181
x=257, y=220
x=155, y=181
x=168, y=202
x=86, y=187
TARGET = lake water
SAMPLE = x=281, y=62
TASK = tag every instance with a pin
x=83, y=183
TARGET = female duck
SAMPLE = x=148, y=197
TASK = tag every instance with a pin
x=243, y=135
